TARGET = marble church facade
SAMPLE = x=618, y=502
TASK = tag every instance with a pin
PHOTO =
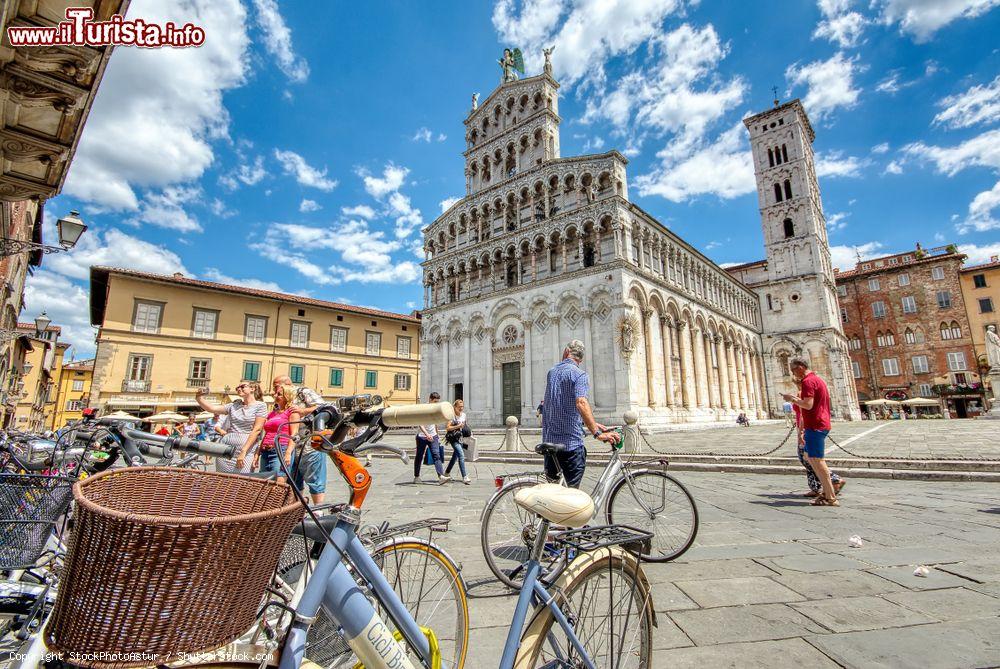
x=544, y=249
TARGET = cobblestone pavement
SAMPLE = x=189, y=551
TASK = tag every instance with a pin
x=771, y=581
x=973, y=439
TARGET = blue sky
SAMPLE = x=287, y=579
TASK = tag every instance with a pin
x=304, y=145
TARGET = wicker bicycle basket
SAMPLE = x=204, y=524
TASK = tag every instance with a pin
x=166, y=561
x=29, y=506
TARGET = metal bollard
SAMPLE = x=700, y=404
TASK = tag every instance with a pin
x=630, y=434
x=511, y=439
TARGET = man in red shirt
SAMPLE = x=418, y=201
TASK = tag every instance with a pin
x=814, y=405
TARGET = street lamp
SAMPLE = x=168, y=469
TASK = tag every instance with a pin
x=69, y=228
x=42, y=322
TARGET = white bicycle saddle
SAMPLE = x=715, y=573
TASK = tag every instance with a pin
x=557, y=504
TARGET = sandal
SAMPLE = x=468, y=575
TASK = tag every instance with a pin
x=825, y=501
x=811, y=493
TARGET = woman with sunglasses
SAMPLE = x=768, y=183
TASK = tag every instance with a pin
x=246, y=418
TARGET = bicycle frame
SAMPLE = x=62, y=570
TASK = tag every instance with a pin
x=334, y=588
x=532, y=591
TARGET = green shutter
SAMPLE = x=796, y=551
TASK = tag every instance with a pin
x=336, y=377
x=371, y=379
x=296, y=373
x=251, y=371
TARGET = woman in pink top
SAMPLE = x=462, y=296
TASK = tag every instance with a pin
x=276, y=427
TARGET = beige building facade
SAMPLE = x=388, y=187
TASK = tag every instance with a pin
x=981, y=294
x=36, y=391
x=161, y=338
x=73, y=392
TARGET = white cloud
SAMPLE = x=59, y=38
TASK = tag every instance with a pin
x=834, y=164
x=277, y=252
x=309, y=205
x=219, y=208
x=830, y=84
x=67, y=304
x=278, y=41
x=391, y=180
x=166, y=209
x=594, y=143
x=979, y=254
x=158, y=110
x=213, y=274
x=247, y=173
x=837, y=222
x=922, y=18
x=839, y=24
x=845, y=257
x=881, y=148
x=304, y=173
x=447, y=203
x=980, y=151
x=980, y=218
x=423, y=135
x=892, y=84
x=894, y=167
x=362, y=210
x=722, y=168
x=113, y=248
x=585, y=32
x=979, y=104
x=712, y=245
x=441, y=137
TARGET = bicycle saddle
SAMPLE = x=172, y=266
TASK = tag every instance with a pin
x=549, y=449
x=557, y=504
x=311, y=529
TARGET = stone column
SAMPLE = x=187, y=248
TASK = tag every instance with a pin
x=556, y=346
x=647, y=336
x=534, y=266
x=700, y=373
x=580, y=249
x=598, y=252
x=588, y=357
x=713, y=376
x=467, y=369
x=526, y=398
x=490, y=375
x=520, y=268
x=565, y=250
x=741, y=376
x=687, y=373
x=668, y=358
x=763, y=408
x=720, y=356
x=734, y=383
x=444, y=367
x=751, y=380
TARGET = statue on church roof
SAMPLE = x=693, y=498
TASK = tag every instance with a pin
x=511, y=61
x=475, y=101
x=547, y=52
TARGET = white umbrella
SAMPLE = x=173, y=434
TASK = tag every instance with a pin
x=166, y=417
x=204, y=415
x=121, y=415
x=921, y=402
x=882, y=403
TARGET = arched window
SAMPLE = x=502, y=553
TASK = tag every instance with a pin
x=945, y=331
x=890, y=339
x=880, y=339
x=789, y=228
x=855, y=343
x=770, y=157
x=777, y=192
x=770, y=304
x=909, y=337
x=784, y=154
x=777, y=156
x=956, y=330
x=788, y=189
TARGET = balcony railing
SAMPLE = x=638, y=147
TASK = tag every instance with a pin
x=198, y=383
x=135, y=386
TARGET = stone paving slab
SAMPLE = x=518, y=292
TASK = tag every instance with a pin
x=949, y=604
x=956, y=645
x=855, y=614
x=837, y=584
x=935, y=580
x=757, y=622
x=784, y=654
x=737, y=591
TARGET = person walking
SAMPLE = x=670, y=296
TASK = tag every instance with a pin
x=565, y=413
x=427, y=438
x=245, y=418
x=277, y=446
x=813, y=402
x=455, y=431
x=190, y=429
x=811, y=479
x=310, y=469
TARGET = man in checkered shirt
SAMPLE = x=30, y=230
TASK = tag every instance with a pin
x=565, y=412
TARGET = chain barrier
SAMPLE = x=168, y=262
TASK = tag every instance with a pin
x=646, y=441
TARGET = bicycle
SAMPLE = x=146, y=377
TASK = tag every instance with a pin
x=640, y=497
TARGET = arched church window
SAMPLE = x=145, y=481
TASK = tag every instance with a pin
x=880, y=339
x=777, y=192
x=909, y=337
x=509, y=334
x=770, y=303
x=788, y=189
x=956, y=330
x=770, y=157
x=777, y=156
x=789, y=228
x=890, y=339
x=784, y=154
x=945, y=331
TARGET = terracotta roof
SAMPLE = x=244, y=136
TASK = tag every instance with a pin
x=99, y=282
x=745, y=265
x=978, y=268
x=80, y=364
x=31, y=326
x=929, y=258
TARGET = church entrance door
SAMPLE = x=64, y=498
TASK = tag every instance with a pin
x=511, y=380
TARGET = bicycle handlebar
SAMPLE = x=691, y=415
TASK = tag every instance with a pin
x=418, y=414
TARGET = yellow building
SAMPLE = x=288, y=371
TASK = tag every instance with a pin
x=73, y=392
x=41, y=369
x=981, y=292
x=160, y=338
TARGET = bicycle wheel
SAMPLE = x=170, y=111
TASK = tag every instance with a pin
x=430, y=586
x=507, y=534
x=606, y=598
x=657, y=503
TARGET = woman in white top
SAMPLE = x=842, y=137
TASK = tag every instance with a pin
x=454, y=432
x=245, y=418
